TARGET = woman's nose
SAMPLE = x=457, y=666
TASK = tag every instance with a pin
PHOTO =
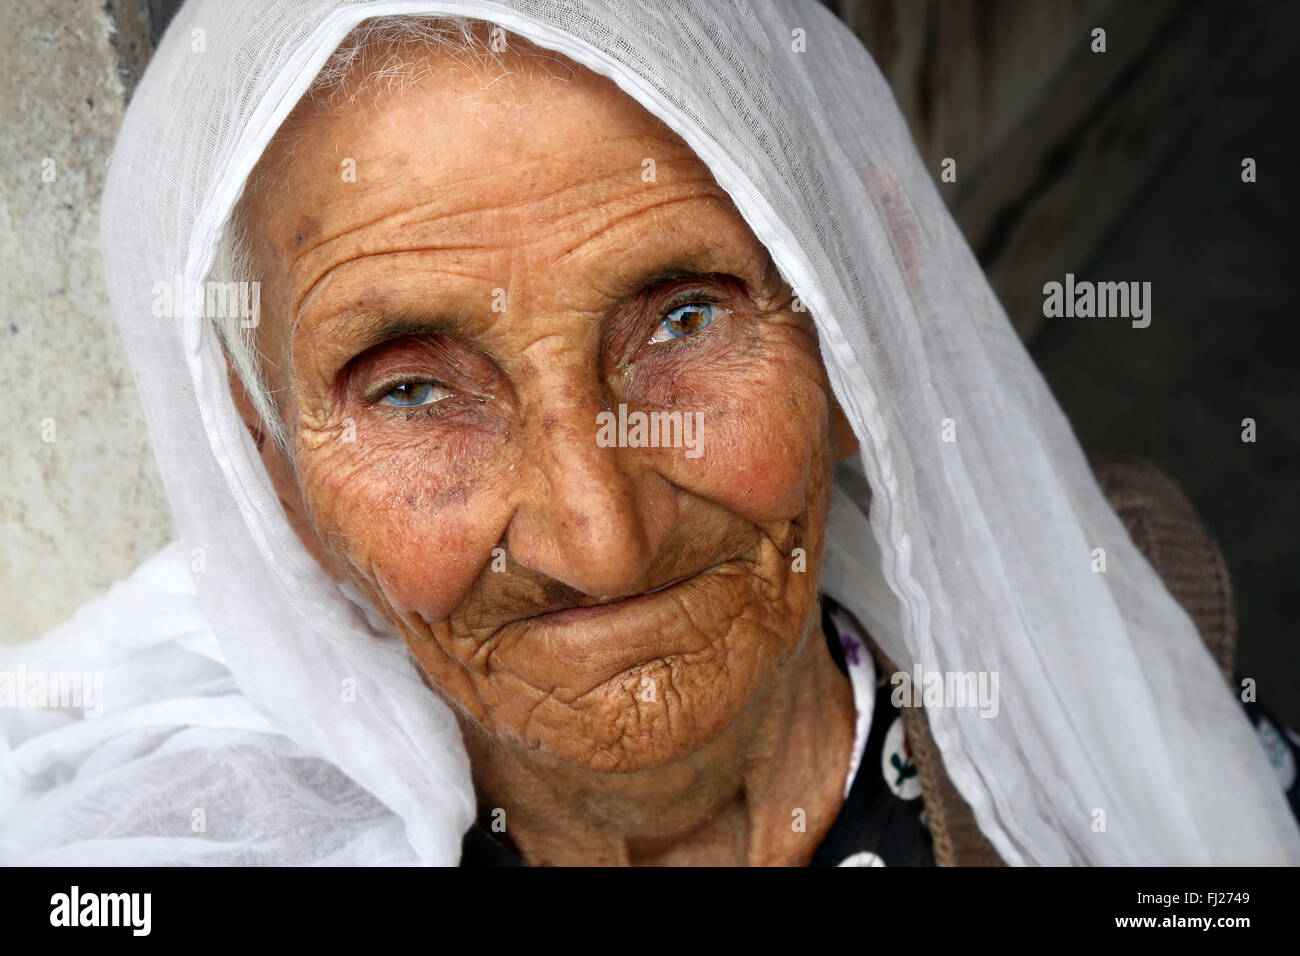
x=589, y=516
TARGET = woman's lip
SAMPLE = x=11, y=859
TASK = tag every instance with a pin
x=573, y=614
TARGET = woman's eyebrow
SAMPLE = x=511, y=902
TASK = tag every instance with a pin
x=700, y=268
x=366, y=329
x=670, y=274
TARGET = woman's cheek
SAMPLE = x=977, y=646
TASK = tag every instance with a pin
x=754, y=388
x=760, y=473
x=758, y=441
x=410, y=516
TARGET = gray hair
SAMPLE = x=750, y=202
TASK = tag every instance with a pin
x=374, y=50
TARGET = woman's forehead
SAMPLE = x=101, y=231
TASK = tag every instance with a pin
x=485, y=186
x=406, y=87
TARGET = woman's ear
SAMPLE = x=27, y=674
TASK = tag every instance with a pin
x=273, y=457
x=247, y=413
x=844, y=443
x=280, y=471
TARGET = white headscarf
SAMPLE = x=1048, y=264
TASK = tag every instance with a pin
x=251, y=712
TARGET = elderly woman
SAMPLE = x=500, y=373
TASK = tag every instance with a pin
x=613, y=400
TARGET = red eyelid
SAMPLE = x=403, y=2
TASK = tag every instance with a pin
x=636, y=326
x=384, y=365
x=417, y=358
x=676, y=293
x=690, y=301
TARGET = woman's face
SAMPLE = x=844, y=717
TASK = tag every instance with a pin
x=445, y=329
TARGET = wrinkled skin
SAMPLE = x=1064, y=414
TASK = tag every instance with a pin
x=506, y=223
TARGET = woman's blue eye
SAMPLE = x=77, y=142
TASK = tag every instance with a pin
x=683, y=321
x=411, y=394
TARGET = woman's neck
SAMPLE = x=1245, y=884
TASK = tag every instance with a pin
x=765, y=792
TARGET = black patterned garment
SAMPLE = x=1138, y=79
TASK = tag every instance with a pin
x=882, y=821
x=1282, y=746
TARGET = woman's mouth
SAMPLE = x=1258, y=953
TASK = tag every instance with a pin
x=591, y=611
x=587, y=646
